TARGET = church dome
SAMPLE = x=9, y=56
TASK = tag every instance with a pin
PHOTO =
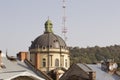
x=48, y=39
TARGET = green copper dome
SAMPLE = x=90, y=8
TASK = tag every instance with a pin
x=48, y=26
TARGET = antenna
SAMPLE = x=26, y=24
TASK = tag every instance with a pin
x=64, y=28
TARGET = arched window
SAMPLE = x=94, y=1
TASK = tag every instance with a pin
x=65, y=62
x=44, y=62
x=57, y=62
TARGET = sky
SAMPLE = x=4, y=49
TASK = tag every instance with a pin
x=88, y=22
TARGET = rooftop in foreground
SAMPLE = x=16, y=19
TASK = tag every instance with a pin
x=81, y=71
x=102, y=75
x=13, y=69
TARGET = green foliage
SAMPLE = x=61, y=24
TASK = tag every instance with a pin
x=94, y=54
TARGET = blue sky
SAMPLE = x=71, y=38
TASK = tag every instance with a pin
x=89, y=22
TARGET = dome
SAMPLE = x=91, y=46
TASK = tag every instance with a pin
x=48, y=39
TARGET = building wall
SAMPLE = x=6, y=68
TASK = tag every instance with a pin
x=32, y=58
x=51, y=60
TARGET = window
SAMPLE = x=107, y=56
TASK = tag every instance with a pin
x=43, y=47
x=57, y=62
x=65, y=62
x=44, y=62
x=50, y=46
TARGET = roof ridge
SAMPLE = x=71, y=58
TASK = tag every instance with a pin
x=44, y=75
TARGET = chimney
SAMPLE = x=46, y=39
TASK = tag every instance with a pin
x=37, y=60
x=92, y=75
x=22, y=55
x=0, y=57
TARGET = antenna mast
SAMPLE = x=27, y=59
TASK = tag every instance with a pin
x=64, y=28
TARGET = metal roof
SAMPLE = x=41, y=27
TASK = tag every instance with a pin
x=102, y=75
x=17, y=68
x=84, y=67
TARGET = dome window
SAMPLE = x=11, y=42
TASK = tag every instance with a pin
x=50, y=46
x=55, y=41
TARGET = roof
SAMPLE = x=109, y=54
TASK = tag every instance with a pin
x=76, y=71
x=17, y=68
x=84, y=67
x=82, y=71
x=102, y=75
x=48, y=39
